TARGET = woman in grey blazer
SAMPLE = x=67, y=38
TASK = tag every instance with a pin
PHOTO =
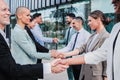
x=96, y=21
x=22, y=42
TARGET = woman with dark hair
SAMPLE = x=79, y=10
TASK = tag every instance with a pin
x=97, y=22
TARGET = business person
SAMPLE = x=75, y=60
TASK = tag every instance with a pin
x=97, y=22
x=109, y=50
x=37, y=32
x=21, y=41
x=70, y=30
x=68, y=34
x=76, y=41
x=39, y=47
x=9, y=70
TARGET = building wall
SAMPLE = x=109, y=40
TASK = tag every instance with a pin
x=103, y=5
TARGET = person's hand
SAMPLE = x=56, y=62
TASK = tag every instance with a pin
x=56, y=54
x=64, y=61
x=53, y=53
x=55, y=40
x=57, y=66
x=105, y=78
x=60, y=55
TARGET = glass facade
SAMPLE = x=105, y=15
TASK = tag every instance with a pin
x=54, y=11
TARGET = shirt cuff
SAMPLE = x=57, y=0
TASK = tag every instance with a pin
x=47, y=68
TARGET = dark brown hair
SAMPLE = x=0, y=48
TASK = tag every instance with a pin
x=99, y=14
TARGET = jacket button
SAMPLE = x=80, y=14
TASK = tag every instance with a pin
x=91, y=67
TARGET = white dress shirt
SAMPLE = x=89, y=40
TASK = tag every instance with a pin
x=37, y=33
x=81, y=39
x=106, y=53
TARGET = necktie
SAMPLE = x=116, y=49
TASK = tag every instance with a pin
x=68, y=35
x=113, y=55
x=75, y=41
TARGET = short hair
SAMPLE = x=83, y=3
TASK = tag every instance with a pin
x=79, y=18
x=72, y=15
x=36, y=15
x=19, y=10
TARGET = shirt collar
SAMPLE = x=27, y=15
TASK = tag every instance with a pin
x=80, y=30
x=3, y=33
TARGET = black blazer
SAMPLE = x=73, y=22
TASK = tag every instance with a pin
x=9, y=70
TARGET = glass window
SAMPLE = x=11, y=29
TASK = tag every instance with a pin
x=39, y=3
x=63, y=1
x=26, y=3
x=43, y=3
x=29, y=4
x=106, y=8
x=57, y=1
x=47, y=2
x=69, y=0
x=23, y=2
x=33, y=5
x=36, y=4
x=52, y=2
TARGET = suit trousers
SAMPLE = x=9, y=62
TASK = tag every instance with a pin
x=76, y=71
x=70, y=73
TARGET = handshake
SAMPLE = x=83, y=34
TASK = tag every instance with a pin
x=55, y=54
x=59, y=65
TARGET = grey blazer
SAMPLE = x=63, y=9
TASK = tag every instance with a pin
x=93, y=71
x=23, y=48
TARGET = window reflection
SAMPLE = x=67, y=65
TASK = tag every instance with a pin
x=47, y=2
x=63, y=1
x=57, y=1
x=52, y=2
x=43, y=3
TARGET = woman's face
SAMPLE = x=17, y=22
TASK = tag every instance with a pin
x=93, y=23
x=32, y=24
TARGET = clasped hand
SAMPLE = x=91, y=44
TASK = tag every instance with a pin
x=58, y=65
x=56, y=54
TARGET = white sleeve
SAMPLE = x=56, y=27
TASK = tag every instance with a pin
x=47, y=68
x=95, y=57
x=98, y=55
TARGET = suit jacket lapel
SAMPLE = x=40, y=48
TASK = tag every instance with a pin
x=2, y=38
x=96, y=41
x=30, y=33
x=89, y=42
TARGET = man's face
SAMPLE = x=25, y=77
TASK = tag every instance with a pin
x=116, y=4
x=76, y=24
x=4, y=14
x=68, y=19
x=39, y=20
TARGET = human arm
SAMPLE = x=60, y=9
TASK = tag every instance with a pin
x=10, y=68
x=37, y=32
x=24, y=43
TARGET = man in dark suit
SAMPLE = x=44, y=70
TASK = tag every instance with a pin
x=9, y=70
